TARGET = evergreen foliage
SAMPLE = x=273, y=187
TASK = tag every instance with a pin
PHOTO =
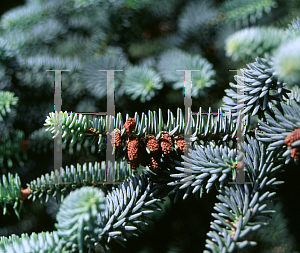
x=151, y=82
x=244, y=12
x=7, y=100
x=251, y=42
x=286, y=62
x=176, y=59
x=88, y=203
x=159, y=161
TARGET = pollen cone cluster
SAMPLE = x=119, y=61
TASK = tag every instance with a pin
x=116, y=138
x=180, y=142
x=154, y=162
x=166, y=143
x=295, y=153
x=290, y=139
x=129, y=125
x=146, y=151
x=153, y=145
x=133, y=157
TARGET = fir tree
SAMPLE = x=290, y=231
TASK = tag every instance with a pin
x=156, y=167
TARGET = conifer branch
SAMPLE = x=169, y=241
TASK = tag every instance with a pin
x=243, y=208
x=148, y=40
x=282, y=131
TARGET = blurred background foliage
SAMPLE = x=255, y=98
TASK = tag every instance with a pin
x=148, y=40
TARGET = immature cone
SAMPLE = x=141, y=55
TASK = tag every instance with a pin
x=295, y=153
x=154, y=162
x=133, y=158
x=180, y=142
x=24, y=193
x=152, y=143
x=116, y=138
x=292, y=137
x=129, y=125
x=166, y=143
x=239, y=165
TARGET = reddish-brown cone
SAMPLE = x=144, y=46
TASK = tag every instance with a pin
x=239, y=165
x=180, y=142
x=292, y=137
x=129, y=125
x=166, y=143
x=295, y=153
x=116, y=138
x=152, y=143
x=154, y=162
x=133, y=157
x=24, y=193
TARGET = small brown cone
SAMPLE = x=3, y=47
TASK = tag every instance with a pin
x=180, y=142
x=116, y=138
x=295, y=153
x=132, y=151
x=154, y=163
x=292, y=137
x=24, y=193
x=239, y=165
x=166, y=143
x=129, y=125
x=152, y=143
